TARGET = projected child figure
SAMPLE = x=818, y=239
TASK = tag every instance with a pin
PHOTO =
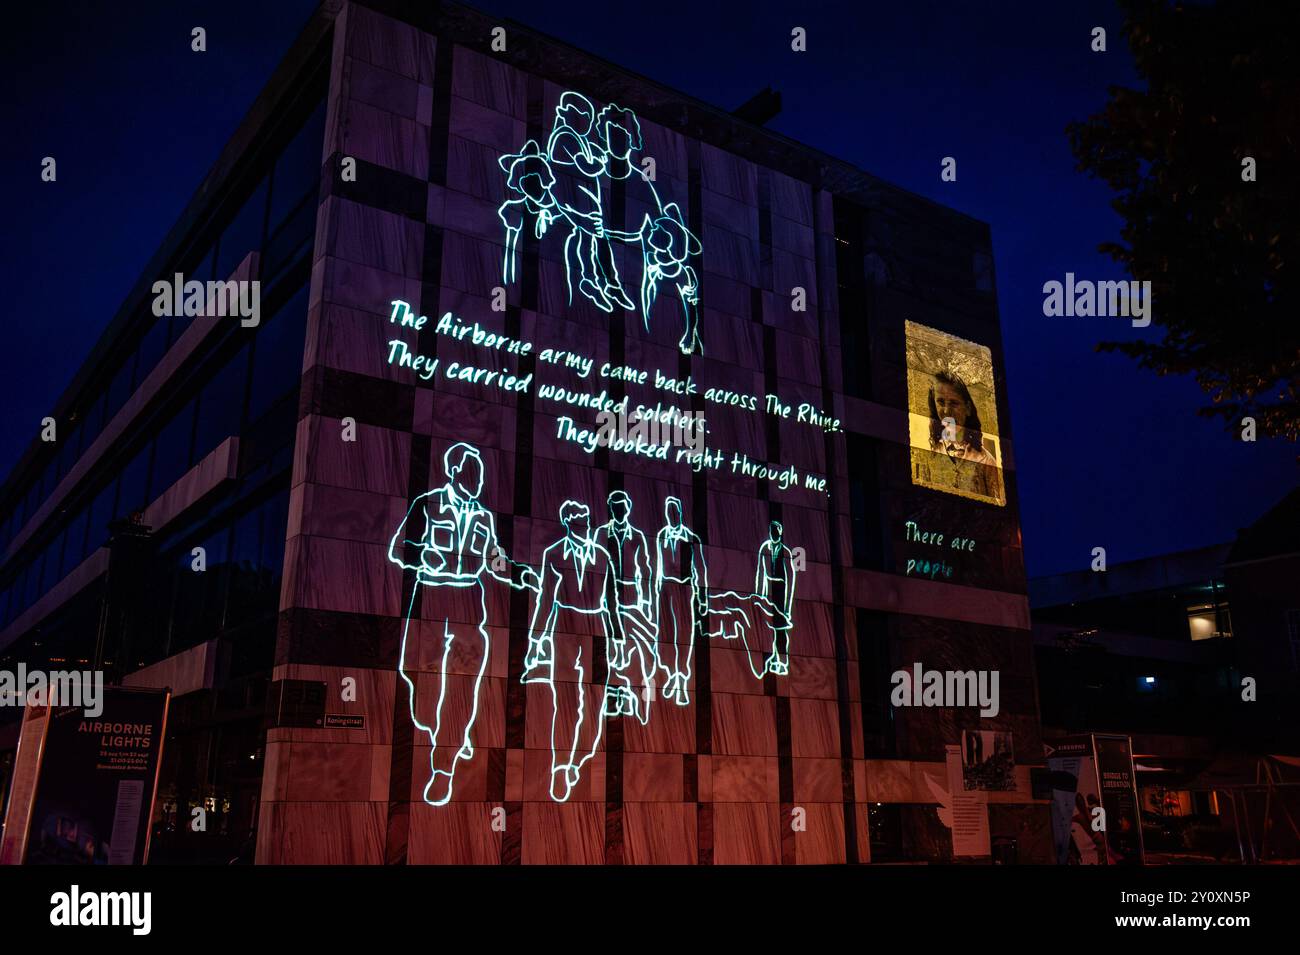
x=454, y=541
x=528, y=175
x=588, y=147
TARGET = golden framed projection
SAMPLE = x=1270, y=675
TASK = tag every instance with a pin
x=952, y=416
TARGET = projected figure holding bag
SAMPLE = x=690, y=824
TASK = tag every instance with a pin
x=454, y=541
x=577, y=631
x=564, y=182
x=634, y=575
x=761, y=620
x=681, y=579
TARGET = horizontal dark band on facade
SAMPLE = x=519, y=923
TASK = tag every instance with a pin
x=333, y=393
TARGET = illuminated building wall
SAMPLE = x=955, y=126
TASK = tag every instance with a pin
x=869, y=518
x=758, y=765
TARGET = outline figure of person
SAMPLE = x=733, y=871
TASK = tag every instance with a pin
x=681, y=592
x=668, y=245
x=630, y=553
x=457, y=542
x=564, y=181
x=575, y=624
x=774, y=579
x=574, y=146
x=529, y=175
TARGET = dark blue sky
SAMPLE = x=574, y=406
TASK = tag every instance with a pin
x=1107, y=454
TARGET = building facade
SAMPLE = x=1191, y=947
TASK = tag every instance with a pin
x=599, y=458
x=1193, y=656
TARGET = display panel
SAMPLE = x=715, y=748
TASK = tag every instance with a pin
x=953, y=416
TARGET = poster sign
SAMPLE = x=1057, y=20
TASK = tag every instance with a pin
x=95, y=787
x=988, y=761
x=1095, y=819
x=970, y=811
x=27, y=763
x=1120, y=799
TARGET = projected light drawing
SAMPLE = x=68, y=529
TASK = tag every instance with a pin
x=456, y=540
x=770, y=609
x=529, y=175
x=607, y=600
x=574, y=620
x=587, y=147
x=681, y=582
x=774, y=579
x=634, y=577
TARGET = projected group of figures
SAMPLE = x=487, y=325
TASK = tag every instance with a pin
x=614, y=618
x=562, y=187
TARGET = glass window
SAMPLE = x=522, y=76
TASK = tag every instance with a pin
x=93, y=422
x=864, y=504
x=199, y=265
x=50, y=475
x=74, y=548
x=70, y=451
x=32, y=501
x=53, y=563
x=19, y=590
x=153, y=346
x=101, y=513
x=133, y=491
x=277, y=355
x=120, y=388
x=244, y=234
x=273, y=534
x=257, y=561
x=221, y=404
x=1207, y=621
x=16, y=605
x=33, y=581
x=297, y=170
x=172, y=449
x=296, y=236
x=201, y=597
x=45, y=483
x=247, y=577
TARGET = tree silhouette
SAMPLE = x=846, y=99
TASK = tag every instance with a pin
x=1221, y=253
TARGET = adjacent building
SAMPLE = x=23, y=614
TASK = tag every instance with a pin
x=1195, y=656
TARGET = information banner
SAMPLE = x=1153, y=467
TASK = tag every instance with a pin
x=1095, y=818
x=95, y=788
x=1120, y=799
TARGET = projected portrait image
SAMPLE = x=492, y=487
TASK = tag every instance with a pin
x=953, y=416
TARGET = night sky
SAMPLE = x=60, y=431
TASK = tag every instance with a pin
x=1107, y=454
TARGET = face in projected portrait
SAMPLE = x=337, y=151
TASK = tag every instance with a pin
x=953, y=416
